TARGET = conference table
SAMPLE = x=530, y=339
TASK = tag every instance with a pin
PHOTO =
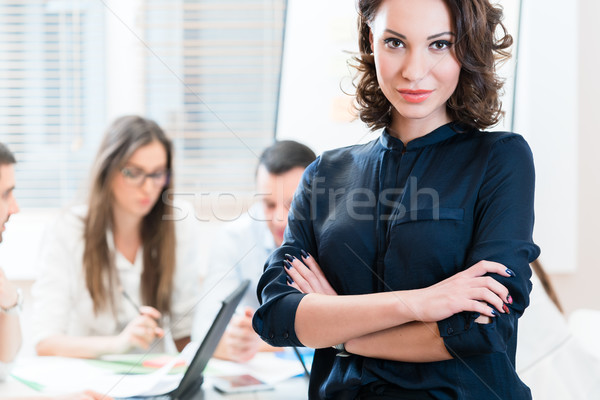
x=290, y=389
x=121, y=374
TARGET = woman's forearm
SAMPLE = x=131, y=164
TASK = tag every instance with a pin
x=411, y=342
x=323, y=321
x=10, y=337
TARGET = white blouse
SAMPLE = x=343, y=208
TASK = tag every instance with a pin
x=62, y=303
x=238, y=252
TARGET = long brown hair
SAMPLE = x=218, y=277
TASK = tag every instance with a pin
x=475, y=102
x=546, y=283
x=157, y=231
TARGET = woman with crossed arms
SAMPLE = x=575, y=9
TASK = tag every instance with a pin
x=424, y=235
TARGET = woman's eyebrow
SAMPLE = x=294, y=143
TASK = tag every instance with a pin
x=133, y=165
x=396, y=33
x=428, y=38
x=440, y=34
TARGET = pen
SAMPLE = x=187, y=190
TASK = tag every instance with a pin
x=130, y=300
x=135, y=305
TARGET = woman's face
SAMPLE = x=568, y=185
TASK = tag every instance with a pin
x=417, y=70
x=137, y=186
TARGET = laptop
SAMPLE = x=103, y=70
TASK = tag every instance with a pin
x=190, y=386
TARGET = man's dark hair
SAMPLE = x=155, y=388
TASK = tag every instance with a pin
x=285, y=155
x=6, y=156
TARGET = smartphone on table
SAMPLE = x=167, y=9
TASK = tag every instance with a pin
x=239, y=384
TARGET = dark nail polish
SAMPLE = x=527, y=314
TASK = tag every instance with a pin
x=289, y=280
x=509, y=299
x=494, y=313
x=287, y=264
x=510, y=272
x=289, y=258
x=304, y=254
x=505, y=308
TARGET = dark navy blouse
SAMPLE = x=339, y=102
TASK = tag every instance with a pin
x=384, y=217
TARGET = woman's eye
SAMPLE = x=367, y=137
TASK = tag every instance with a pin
x=441, y=44
x=393, y=43
x=131, y=173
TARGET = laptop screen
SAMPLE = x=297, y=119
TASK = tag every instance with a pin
x=193, y=376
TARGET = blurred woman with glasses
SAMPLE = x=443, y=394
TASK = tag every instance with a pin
x=119, y=273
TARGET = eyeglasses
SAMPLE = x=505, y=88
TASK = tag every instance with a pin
x=137, y=177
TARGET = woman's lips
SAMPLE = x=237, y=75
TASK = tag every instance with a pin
x=415, y=96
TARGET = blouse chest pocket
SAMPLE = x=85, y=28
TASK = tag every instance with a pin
x=430, y=214
x=426, y=246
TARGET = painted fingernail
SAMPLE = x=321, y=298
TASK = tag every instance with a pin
x=509, y=299
x=289, y=280
x=289, y=257
x=505, y=308
x=304, y=254
x=510, y=272
x=287, y=264
x=494, y=313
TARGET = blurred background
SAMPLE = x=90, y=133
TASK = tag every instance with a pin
x=227, y=77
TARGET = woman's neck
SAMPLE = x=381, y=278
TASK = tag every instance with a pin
x=408, y=129
x=126, y=233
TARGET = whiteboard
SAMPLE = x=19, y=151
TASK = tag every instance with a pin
x=313, y=109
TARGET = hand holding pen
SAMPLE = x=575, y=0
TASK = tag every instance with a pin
x=142, y=330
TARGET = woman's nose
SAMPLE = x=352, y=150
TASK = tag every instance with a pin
x=415, y=66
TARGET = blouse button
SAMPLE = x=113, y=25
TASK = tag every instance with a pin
x=450, y=330
x=271, y=335
x=285, y=335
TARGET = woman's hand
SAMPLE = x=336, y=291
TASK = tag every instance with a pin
x=141, y=331
x=239, y=342
x=307, y=276
x=468, y=290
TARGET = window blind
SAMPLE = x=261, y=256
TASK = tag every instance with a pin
x=48, y=101
x=210, y=78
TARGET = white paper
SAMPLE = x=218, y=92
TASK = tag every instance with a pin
x=62, y=375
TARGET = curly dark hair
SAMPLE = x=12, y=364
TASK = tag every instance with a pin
x=482, y=42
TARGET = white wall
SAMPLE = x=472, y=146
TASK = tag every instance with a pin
x=320, y=37
x=124, y=37
x=581, y=288
x=547, y=115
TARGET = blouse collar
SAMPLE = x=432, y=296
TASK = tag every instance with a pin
x=437, y=135
x=121, y=262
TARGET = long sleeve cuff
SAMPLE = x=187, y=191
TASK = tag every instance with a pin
x=463, y=337
x=274, y=321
